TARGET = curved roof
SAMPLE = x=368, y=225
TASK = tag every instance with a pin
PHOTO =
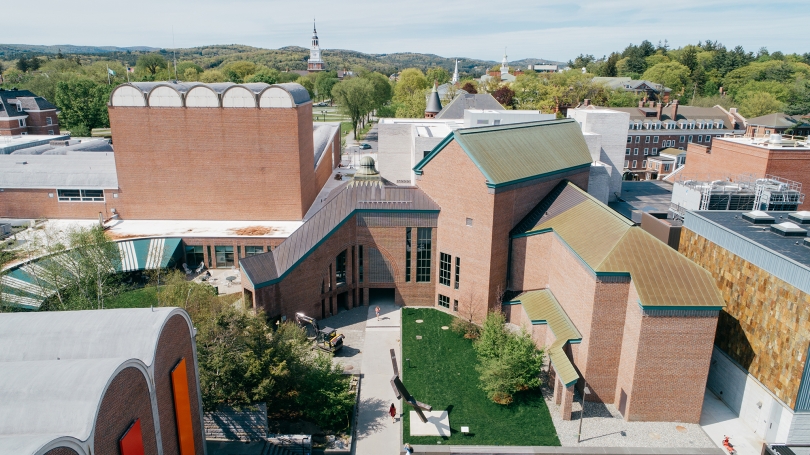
x=54, y=399
x=297, y=92
x=119, y=333
x=618, y=247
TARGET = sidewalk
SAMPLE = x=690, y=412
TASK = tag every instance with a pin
x=376, y=435
x=718, y=420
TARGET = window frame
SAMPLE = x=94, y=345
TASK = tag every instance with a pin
x=80, y=195
x=458, y=272
x=444, y=301
x=424, y=252
x=445, y=262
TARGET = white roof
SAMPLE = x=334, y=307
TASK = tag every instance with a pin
x=198, y=228
x=74, y=170
x=15, y=142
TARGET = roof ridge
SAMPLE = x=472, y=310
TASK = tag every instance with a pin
x=604, y=206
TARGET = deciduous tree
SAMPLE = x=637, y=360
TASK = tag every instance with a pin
x=151, y=63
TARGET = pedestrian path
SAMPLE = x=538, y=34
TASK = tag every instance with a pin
x=718, y=421
x=376, y=434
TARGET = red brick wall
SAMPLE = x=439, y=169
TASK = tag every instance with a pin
x=16, y=203
x=792, y=165
x=126, y=399
x=674, y=353
x=11, y=127
x=37, y=123
x=607, y=330
x=629, y=354
x=241, y=164
x=527, y=271
x=175, y=343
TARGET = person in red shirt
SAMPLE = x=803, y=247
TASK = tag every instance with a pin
x=393, y=411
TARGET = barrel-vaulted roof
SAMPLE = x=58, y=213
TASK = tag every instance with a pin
x=609, y=244
x=346, y=200
x=508, y=154
x=297, y=92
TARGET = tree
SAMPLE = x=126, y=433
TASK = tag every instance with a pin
x=210, y=76
x=151, y=63
x=324, y=81
x=22, y=64
x=238, y=71
x=504, y=95
x=760, y=103
x=508, y=362
x=609, y=68
x=355, y=98
x=672, y=74
x=469, y=87
x=410, y=81
x=266, y=75
x=83, y=105
x=437, y=73
x=382, y=91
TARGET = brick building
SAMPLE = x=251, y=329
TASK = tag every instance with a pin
x=779, y=123
x=111, y=381
x=729, y=157
x=492, y=209
x=655, y=126
x=22, y=113
x=761, y=263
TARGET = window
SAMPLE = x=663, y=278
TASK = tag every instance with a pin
x=208, y=247
x=644, y=164
x=455, y=305
x=655, y=139
x=655, y=151
x=682, y=139
x=646, y=151
x=634, y=164
x=635, y=151
x=50, y=132
x=626, y=151
x=423, y=251
x=458, y=270
x=638, y=139
x=482, y=122
x=666, y=168
x=340, y=268
x=708, y=138
x=646, y=139
x=80, y=195
x=194, y=255
x=444, y=269
x=253, y=250
x=21, y=122
x=444, y=301
x=690, y=138
x=19, y=106
x=224, y=256
x=407, y=255
x=48, y=121
x=496, y=122
x=626, y=164
x=700, y=138
x=360, y=262
x=629, y=139
x=469, y=221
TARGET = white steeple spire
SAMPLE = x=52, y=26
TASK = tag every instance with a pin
x=504, y=64
x=455, y=74
x=315, y=62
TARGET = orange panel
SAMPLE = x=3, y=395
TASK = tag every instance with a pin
x=131, y=443
x=182, y=408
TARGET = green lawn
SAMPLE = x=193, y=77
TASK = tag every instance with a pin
x=136, y=298
x=442, y=374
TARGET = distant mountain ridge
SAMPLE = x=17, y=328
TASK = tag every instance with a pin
x=284, y=58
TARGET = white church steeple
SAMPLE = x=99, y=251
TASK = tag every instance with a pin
x=455, y=74
x=504, y=64
x=315, y=62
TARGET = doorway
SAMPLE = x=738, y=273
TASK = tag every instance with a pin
x=342, y=302
x=381, y=296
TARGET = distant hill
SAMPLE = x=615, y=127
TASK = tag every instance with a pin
x=285, y=58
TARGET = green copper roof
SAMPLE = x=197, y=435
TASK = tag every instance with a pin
x=609, y=244
x=542, y=308
x=512, y=153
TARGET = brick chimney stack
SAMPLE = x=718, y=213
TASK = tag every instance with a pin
x=641, y=104
x=586, y=103
x=659, y=106
x=674, y=114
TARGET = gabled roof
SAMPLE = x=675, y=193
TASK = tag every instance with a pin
x=516, y=152
x=543, y=308
x=28, y=100
x=778, y=120
x=609, y=244
x=455, y=109
x=268, y=268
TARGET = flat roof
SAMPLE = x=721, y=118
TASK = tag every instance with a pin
x=73, y=170
x=10, y=143
x=195, y=228
x=761, y=234
x=764, y=142
x=643, y=196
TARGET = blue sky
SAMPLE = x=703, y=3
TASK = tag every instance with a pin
x=472, y=28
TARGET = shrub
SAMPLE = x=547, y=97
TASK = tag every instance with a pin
x=469, y=330
x=508, y=362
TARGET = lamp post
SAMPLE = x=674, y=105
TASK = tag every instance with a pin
x=582, y=412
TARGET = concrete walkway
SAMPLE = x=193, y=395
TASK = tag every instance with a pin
x=718, y=421
x=376, y=434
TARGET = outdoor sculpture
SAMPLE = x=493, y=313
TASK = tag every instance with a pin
x=400, y=391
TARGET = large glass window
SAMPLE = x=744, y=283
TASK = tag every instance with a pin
x=224, y=256
x=458, y=270
x=80, y=195
x=360, y=263
x=253, y=250
x=340, y=270
x=444, y=269
x=194, y=255
x=423, y=253
x=407, y=255
x=444, y=301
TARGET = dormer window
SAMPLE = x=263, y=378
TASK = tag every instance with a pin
x=19, y=107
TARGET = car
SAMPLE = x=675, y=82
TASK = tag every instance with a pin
x=364, y=146
x=322, y=104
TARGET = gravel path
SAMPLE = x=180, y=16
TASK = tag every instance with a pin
x=604, y=426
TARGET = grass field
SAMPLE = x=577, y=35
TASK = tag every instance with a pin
x=146, y=297
x=442, y=374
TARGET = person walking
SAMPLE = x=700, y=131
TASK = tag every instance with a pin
x=393, y=411
x=408, y=449
x=377, y=310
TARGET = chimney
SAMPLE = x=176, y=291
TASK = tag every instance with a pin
x=651, y=104
x=659, y=108
x=587, y=102
x=641, y=104
x=674, y=114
